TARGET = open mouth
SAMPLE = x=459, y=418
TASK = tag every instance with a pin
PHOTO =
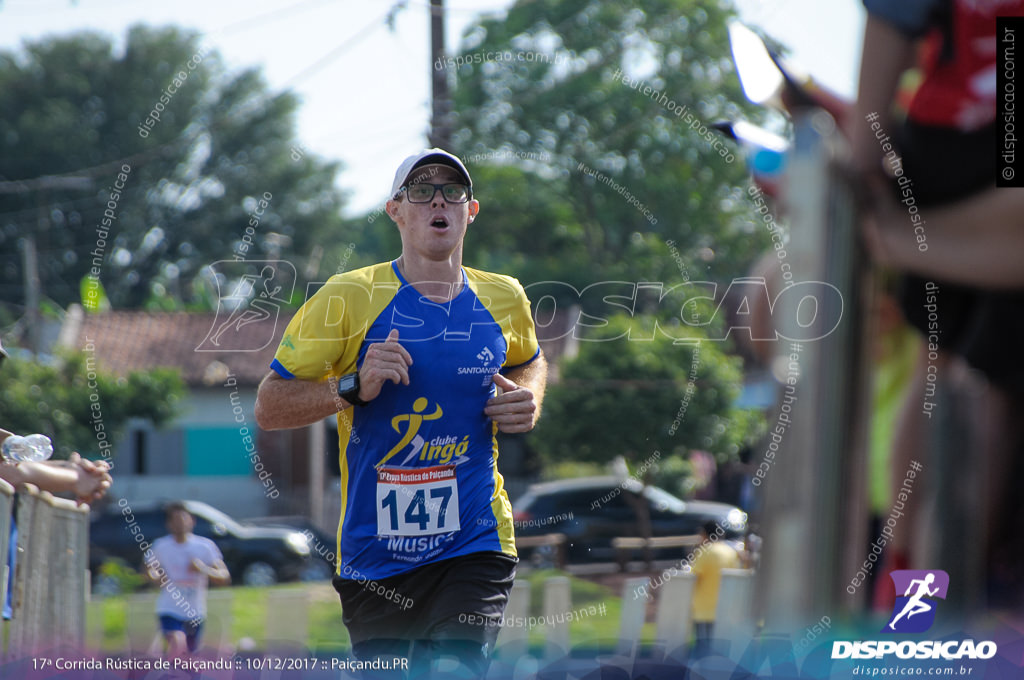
x=439, y=222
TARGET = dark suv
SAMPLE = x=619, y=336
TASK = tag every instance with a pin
x=255, y=555
x=591, y=511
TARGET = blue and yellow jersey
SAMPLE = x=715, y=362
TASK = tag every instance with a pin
x=419, y=476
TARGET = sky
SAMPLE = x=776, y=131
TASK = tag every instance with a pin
x=365, y=87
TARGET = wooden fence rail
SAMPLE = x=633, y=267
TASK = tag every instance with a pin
x=50, y=583
x=50, y=578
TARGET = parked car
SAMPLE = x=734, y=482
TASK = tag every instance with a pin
x=591, y=511
x=255, y=555
x=322, y=545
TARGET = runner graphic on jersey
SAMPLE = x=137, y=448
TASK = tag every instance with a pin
x=415, y=420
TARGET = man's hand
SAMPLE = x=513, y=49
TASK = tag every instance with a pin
x=515, y=409
x=384, y=361
x=93, y=478
x=216, y=572
x=885, y=226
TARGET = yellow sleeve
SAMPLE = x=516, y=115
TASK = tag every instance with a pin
x=324, y=336
x=505, y=299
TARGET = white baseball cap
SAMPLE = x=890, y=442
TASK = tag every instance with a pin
x=428, y=157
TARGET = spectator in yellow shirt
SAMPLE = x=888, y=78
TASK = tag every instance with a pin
x=711, y=558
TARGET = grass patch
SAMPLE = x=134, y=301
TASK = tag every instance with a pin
x=111, y=620
x=597, y=611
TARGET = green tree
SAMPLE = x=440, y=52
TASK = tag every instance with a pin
x=75, y=107
x=79, y=406
x=632, y=391
x=612, y=171
x=650, y=397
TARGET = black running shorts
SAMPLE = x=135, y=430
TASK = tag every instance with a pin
x=454, y=606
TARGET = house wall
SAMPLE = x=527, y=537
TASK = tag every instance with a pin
x=200, y=456
x=207, y=438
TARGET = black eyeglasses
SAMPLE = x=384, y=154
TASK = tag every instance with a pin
x=423, y=192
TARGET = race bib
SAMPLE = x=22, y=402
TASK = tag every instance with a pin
x=417, y=501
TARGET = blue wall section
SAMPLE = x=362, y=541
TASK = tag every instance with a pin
x=215, y=451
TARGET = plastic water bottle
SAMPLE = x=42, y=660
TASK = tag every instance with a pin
x=35, y=447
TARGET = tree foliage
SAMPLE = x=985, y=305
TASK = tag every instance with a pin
x=613, y=171
x=79, y=406
x=76, y=106
x=631, y=392
x=586, y=177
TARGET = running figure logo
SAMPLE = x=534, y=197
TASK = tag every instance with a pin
x=913, y=613
x=415, y=419
x=257, y=298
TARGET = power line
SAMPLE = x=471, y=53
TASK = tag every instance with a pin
x=139, y=158
x=260, y=19
x=337, y=51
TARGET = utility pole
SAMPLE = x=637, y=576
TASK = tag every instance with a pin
x=31, y=268
x=441, y=103
x=30, y=255
x=316, y=447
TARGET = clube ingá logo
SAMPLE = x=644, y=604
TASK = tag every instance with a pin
x=916, y=592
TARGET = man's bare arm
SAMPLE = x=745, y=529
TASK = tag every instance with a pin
x=217, y=572
x=518, y=407
x=87, y=480
x=886, y=54
x=534, y=376
x=282, y=404
x=976, y=241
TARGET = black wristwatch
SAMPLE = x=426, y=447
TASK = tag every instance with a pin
x=348, y=389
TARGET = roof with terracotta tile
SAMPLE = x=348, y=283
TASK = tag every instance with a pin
x=206, y=346
x=201, y=345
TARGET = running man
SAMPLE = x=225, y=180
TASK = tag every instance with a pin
x=182, y=566
x=426, y=361
x=914, y=604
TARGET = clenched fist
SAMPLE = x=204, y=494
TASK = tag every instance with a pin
x=384, y=361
